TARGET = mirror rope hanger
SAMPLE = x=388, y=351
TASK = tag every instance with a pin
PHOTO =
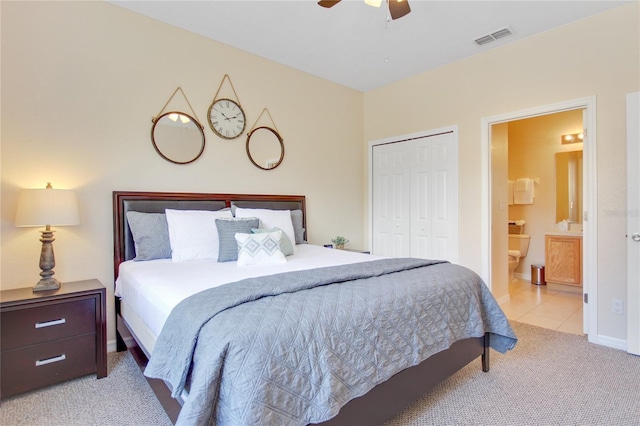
x=270, y=118
x=226, y=77
x=153, y=119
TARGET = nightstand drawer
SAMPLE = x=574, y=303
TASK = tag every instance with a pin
x=45, y=323
x=41, y=365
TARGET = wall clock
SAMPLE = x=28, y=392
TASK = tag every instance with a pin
x=226, y=118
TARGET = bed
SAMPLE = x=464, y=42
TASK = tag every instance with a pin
x=143, y=327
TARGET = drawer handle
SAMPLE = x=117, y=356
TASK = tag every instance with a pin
x=50, y=360
x=50, y=323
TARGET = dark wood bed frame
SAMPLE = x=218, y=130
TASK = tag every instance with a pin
x=381, y=403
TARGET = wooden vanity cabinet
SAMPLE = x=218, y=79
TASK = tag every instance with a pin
x=563, y=259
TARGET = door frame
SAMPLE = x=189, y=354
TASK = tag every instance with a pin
x=402, y=138
x=633, y=223
x=589, y=186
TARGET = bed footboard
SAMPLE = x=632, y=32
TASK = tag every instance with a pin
x=377, y=406
x=389, y=398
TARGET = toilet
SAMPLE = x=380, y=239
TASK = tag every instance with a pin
x=518, y=248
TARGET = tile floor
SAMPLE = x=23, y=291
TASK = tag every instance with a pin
x=537, y=305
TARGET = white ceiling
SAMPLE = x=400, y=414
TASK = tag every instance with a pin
x=356, y=45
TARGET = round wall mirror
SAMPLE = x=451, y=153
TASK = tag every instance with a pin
x=177, y=137
x=265, y=148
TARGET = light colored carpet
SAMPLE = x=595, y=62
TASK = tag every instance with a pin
x=550, y=378
x=122, y=398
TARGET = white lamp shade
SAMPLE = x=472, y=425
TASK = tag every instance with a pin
x=41, y=207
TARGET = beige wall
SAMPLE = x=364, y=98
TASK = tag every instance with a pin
x=595, y=56
x=80, y=83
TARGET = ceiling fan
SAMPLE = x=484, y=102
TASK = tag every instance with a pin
x=397, y=8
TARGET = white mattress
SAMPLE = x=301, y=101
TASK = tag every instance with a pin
x=150, y=290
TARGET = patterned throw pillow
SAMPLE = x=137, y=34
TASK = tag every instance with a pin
x=285, y=243
x=260, y=249
x=270, y=219
x=227, y=229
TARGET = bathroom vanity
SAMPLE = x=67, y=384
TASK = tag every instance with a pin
x=563, y=258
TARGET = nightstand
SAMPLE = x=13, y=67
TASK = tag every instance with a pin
x=52, y=336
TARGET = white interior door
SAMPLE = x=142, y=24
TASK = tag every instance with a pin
x=413, y=196
x=633, y=223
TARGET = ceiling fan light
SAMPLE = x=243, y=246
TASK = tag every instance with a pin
x=374, y=3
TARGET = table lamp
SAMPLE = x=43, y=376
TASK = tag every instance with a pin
x=47, y=207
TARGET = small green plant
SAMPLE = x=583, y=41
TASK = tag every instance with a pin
x=339, y=240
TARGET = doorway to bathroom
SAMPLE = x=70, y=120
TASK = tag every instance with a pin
x=543, y=161
x=534, y=138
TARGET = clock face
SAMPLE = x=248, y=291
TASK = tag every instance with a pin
x=226, y=118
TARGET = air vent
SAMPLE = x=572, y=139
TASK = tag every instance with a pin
x=493, y=36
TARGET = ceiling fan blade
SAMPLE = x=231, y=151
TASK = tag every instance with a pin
x=398, y=8
x=328, y=3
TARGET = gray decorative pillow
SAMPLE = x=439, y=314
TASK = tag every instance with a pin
x=227, y=230
x=150, y=235
x=298, y=230
x=285, y=243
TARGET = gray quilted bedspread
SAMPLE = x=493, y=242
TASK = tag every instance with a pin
x=291, y=349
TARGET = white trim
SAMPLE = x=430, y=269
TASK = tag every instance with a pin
x=610, y=342
x=590, y=242
x=111, y=346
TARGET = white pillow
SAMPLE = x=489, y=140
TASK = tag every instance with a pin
x=260, y=249
x=270, y=219
x=193, y=234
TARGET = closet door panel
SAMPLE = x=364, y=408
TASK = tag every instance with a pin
x=390, y=200
x=421, y=196
x=444, y=226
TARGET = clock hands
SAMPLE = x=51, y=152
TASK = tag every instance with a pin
x=229, y=118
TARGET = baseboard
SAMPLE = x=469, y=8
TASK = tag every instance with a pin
x=112, y=345
x=611, y=342
x=504, y=299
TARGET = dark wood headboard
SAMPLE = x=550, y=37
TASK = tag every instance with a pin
x=157, y=202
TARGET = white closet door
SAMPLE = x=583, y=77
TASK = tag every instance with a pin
x=434, y=212
x=391, y=201
x=414, y=197
x=422, y=192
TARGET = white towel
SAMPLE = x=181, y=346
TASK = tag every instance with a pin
x=521, y=184
x=510, y=185
x=523, y=191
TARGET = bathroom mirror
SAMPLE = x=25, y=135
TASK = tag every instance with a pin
x=177, y=137
x=265, y=148
x=569, y=186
